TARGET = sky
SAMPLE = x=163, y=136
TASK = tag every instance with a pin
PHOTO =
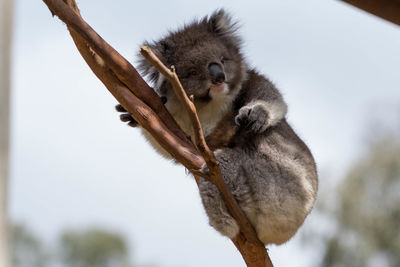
x=74, y=164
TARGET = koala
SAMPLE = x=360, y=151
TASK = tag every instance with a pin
x=270, y=171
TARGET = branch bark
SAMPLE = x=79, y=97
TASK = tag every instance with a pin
x=134, y=94
x=170, y=137
x=385, y=9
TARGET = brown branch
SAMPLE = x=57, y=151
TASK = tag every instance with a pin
x=385, y=9
x=212, y=163
x=121, y=79
x=125, y=72
x=247, y=242
x=172, y=77
x=181, y=149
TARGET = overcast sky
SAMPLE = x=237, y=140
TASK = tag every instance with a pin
x=74, y=164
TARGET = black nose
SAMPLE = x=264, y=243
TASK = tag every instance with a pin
x=216, y=73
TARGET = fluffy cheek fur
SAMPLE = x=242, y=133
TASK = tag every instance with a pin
x=197, y=87
x=234, y=71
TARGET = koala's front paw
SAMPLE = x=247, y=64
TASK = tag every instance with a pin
x=254, y=118
x=126, y=117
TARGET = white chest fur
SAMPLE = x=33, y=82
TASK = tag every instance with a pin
x=210, y=114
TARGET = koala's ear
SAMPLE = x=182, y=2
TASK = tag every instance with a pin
x=222, y=25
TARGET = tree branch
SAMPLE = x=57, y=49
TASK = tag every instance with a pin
x=124, y=71
x=212, y=163
x=129, y=88
x=385, y=9
x=181, y=149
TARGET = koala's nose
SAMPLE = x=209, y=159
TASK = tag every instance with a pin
x=216, y=73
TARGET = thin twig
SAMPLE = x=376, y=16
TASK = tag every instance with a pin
x=172, y=77
x=212, y=163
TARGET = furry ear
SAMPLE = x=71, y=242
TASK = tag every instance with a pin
x=222, y=25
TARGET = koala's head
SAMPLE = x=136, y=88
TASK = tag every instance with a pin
x=206, y=55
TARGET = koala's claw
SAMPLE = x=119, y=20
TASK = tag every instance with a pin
x=126, y=117
x=164, y=99
x=254, y=118
x=133, y=123
x=120, y=108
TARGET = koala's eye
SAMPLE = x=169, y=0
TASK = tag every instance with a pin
x=194, y=72
x=223, y=60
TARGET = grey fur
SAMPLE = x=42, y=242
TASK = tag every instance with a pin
x=270, y=171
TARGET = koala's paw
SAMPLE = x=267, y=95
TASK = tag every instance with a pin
x=253, y=118
x=126, y=117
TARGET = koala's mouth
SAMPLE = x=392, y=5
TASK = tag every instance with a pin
x=218, y=90
x=213, y=91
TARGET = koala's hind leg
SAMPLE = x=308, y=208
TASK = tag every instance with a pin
x=219, y=217
x=216, y=210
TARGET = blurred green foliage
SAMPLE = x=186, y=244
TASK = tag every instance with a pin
x=364, y=209
x=368, y=210
x=93, y=248
x=26, y=249
x=77, y=248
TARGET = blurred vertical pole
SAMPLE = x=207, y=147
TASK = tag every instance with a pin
x=6, y=17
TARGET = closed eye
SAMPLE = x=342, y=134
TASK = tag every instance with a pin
x=224, y=59
x=193, y=73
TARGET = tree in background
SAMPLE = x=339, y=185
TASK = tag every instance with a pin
x=93, y=248
x=27, y=250
x=6, y=16
x=368, y=210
